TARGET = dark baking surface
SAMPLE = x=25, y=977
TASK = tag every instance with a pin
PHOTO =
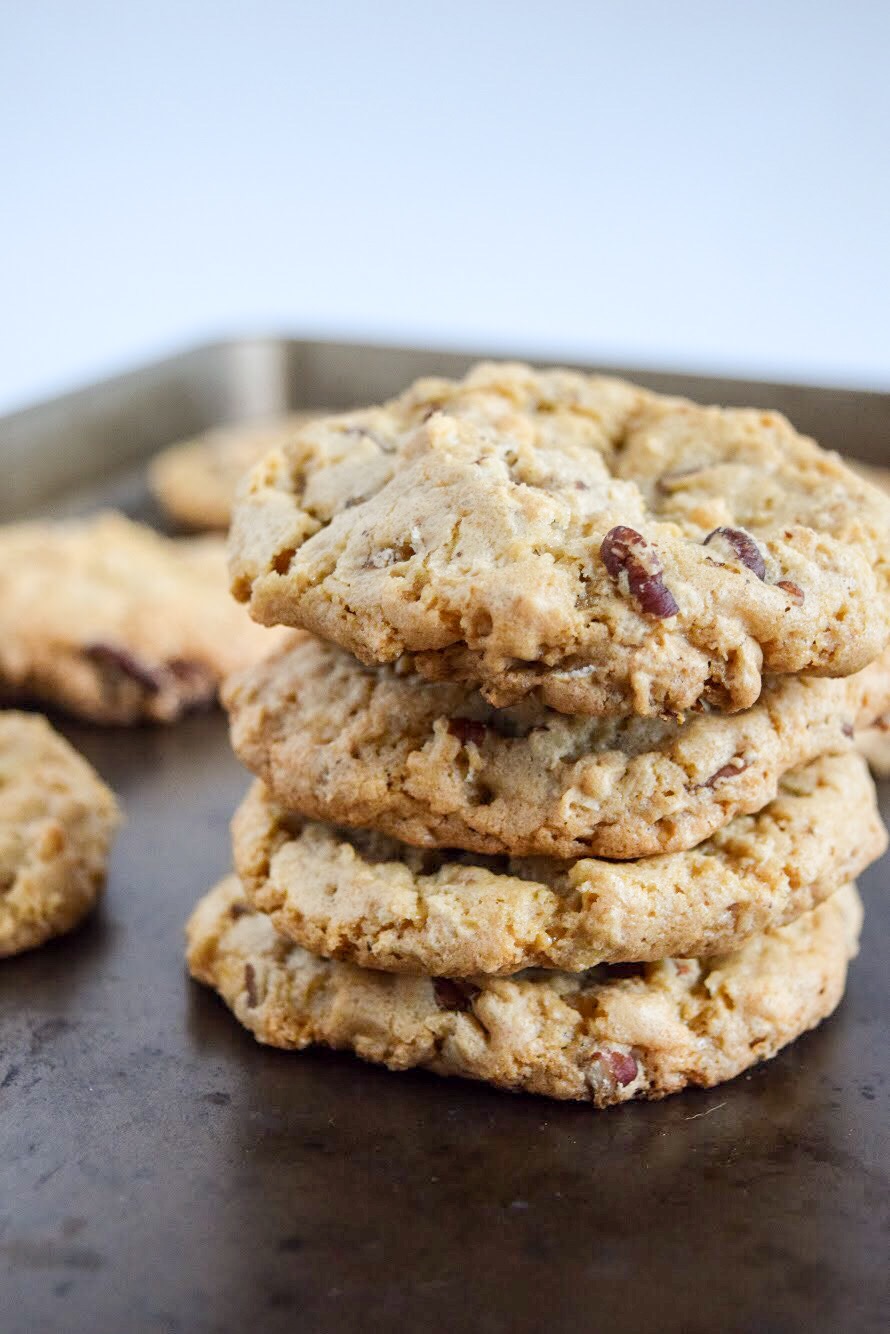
x=161, y=1171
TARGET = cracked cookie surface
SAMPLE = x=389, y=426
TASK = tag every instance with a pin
x=434, y=765
x=609, y=549
x=604, y=1037
x=195, y=480
x=362, y=897
x=57, y=819
x=110, y=621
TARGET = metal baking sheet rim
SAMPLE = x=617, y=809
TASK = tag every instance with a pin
x=53, y=446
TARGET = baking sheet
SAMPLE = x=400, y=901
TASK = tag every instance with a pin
x=161, y=1171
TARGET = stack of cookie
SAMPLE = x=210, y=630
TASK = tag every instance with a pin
x=563, y=796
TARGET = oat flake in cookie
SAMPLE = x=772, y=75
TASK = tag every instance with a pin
x=362, y=897
x=56, y=824
x=609, y=549
x=606, y=1036
x=114, y=623
x=434, y=765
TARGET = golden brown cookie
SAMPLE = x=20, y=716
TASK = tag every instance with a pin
x=362, y=897
x=56, y=824
x=605, y=1036
x=874, y=742
x=195, y=481
x=107, y=619
x=434, y=765
x=605, y=548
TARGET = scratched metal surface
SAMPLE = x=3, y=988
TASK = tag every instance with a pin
x=160, y=1171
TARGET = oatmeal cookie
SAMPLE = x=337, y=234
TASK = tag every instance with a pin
x=575, y=537
x=434, y=765
x=605, y=1036
x=362, y=897
x=195, y=481
x=110, y=621
x=56, y=824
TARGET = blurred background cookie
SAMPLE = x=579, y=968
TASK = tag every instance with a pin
x=112, y=622
x=57, y=819
x=195, y=480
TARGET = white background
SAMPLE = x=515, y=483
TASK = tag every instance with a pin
x=699, y=185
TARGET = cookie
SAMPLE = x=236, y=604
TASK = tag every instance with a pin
x=605, y=1036
x=878, y=476
x=195, y=481
x=56, y=823
x=607, y=549
x=874, y=743
x=109, y=620
x=362, y=897
x=435, y=766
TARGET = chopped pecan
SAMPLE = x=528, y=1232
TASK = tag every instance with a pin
x=794, y=591
x=120, y=660
x=621, y=1065
x=250, y=985
x=743, y=546
x=625, y=552
x=195, y=675
x=735, y=766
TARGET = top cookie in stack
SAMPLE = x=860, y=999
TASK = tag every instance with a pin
x=590, y=625
x=607, y=549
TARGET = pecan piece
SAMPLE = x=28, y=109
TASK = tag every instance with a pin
x=453, y=995
x=197, y=676
x=625, y=552
x=111, y=658
x=743, y=546
x=794, y=591
x=617, y=1067
x=623, y=1066
x=730, y=770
